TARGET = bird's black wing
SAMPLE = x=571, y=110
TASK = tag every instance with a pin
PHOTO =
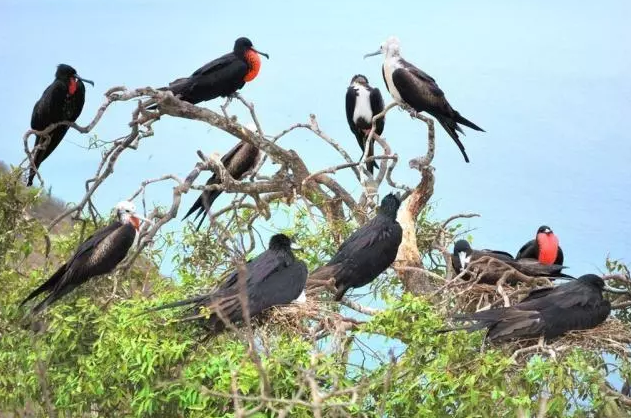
x=559, y=259
x=377, y=106
x=351, y=99
x=281, y=287
x=364, y=237
x=528, y=250
x=502, y=255
x=48, y=109
x=217, y=64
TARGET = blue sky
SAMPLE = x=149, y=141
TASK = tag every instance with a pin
x=549, y=81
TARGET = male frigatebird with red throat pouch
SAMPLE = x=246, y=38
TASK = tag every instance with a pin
x=98, y=255
x=220, y=77
x=411, y=86
x=62, y=101
x=545, y=247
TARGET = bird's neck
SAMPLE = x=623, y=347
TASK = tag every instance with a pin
x=254, y=64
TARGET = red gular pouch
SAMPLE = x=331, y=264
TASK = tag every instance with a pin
x=254, y=64
x=548, y=247
x=135, y=222
x=72, y=86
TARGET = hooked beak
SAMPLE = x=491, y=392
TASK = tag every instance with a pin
x=372, y=54
x=85, y=80
x=463, y=260
x=260, y=53
x=142, y=218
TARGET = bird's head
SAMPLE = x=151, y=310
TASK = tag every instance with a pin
x=359, y=80
x=126, y=213
x=593, y=279
x=243, y=45
x=69, y=75
x=391, y=47
x=390, y=205
x=548, y=245
x=280, y=242
x=462, y=250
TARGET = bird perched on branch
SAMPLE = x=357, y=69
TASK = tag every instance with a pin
x=546, y=312
x=411, y=86
x=240, y=160
x=363, y=102
x=544, y=248
x=368, y=252
x=274, y=277
x=220, y=77
x=463, y=255
x=61, y=101
x=98, y=255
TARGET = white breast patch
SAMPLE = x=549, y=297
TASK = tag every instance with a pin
x=362, y=105
x=389, y=65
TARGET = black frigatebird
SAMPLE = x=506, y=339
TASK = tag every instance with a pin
x=546, y=312
x=544, y=248
x=220, y=77
x=368, y=252
x=274, y=277
x=61, y=101
x=98, y=255
x=413, y=87
x=240, y=160
x=362, y=103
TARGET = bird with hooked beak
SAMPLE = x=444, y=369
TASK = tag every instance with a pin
x=413, y=87
x=62, y=101
x=98, y=255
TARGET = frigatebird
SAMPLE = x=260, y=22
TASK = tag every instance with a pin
x=61, y=101
x=544, y=248
x=240, y=160
x=362, y=103
x=463, y=255
x=98, y=255
x=413, y=87
x=274, y=277
x=546, y=312
x=368, y=252
x=222, y=76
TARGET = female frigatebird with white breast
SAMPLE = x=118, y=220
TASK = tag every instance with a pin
x=240, y=160
x=62, y=101
x=98, y=255
x=546, y=312
x=274, y=277
x=363, y=102
x=411, y=86
x=463, y=255
x=220, y=77
x=367, y=253
x=544, y=248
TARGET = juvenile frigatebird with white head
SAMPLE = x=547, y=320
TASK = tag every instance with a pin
x=98, y=255
x=62, y=101
x=413, y=87
x=363, y=102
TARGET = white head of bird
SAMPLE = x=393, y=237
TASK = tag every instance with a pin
x=126, y=213
x=391, y=47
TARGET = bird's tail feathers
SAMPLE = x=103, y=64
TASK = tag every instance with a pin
x=466, y=122
x=48, y=285
x=450, y=126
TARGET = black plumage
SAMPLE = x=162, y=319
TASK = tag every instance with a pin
x=368, y=252
x=274, y=277
x=222, y=76
x=96, y=256
x=548, y=312
x=363, y=102
x=61, y=101
x=463, y=255
x=544, y=248
x=409, y=85
x=240, y=160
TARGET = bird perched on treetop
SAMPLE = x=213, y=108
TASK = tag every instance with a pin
x=544, y=248
x=220, y=77
x=240, y=160
x=546, y=312
x=463, y=255
x=62, y=101
x=411, y=86
x=274, y=277
x=368, y=252
x=98, y=255
x=363, y=102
